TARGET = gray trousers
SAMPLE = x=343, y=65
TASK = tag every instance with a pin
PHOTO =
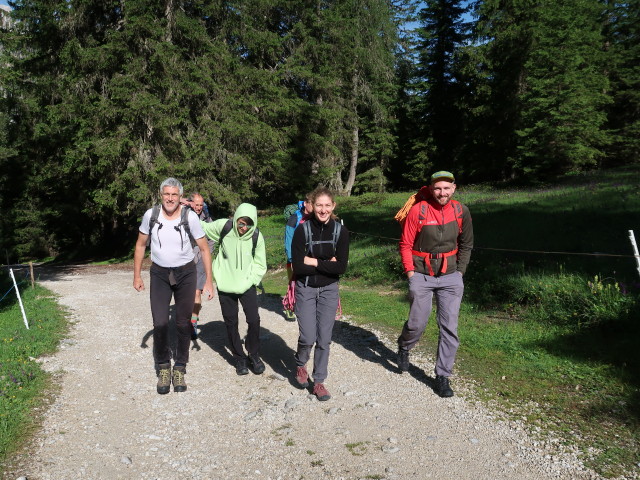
x=315, y=309
x=448, y=290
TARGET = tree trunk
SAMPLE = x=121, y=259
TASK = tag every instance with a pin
x=355, y=144
x=169, y=14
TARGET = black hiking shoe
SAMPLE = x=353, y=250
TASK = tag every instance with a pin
x=257, y=365
x=443, y=388
x=164, y=378
x=241, y=366
x=403, y=360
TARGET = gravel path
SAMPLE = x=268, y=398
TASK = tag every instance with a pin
x=108, y=422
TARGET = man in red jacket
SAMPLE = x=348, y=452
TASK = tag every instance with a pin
x=435, y=247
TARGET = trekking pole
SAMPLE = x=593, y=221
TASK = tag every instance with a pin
x=24, y=316
x=632, y=238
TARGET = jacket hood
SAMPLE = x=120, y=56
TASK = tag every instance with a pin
x=246, y=210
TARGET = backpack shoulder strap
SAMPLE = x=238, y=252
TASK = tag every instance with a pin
x=226, y=229
x=155, y=214
x=337, y=228
x=457, y=211
x=306, y=226
x=223, y=233
x=254, y=239
x=184, y=222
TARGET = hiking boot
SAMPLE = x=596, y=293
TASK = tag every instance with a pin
x=403, y=360
x=302, y=377
x=321, y=392
x=442, y=387
x=177, y=378
x=256, y=364
x=164, y=378
x=241, y=366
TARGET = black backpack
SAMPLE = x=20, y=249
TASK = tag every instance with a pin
x=306, y=226
x=184, y=223
x=337, y=228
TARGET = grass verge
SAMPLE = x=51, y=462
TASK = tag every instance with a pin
x=23, y=384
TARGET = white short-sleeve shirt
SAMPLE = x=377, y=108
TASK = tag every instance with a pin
x=170, y=245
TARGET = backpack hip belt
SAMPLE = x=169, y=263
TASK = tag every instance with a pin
x=428, y=256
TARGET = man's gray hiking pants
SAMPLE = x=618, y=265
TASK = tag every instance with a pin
x=316, y=312
x=448, y=290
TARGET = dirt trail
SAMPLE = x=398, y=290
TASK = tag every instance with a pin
x=108, y=422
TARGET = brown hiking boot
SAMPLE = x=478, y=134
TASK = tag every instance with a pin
x=164, y=378
x=321, y=392
x=302, y=377
x=179, y=385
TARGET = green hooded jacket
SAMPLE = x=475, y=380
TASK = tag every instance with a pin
x=235, y=269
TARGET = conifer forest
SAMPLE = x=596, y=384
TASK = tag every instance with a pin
x=263, y=100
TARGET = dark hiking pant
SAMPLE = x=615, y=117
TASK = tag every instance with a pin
x=229, y=307
x=448, y=290
x=179, y=282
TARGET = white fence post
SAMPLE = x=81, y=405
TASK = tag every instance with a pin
x=635, y=249
x=15, y=285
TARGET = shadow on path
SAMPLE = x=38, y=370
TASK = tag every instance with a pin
x=367, y=346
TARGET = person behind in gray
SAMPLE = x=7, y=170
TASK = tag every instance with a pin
x=196, y=203
x=435, y=247
x=320, y=253
x=172, y=273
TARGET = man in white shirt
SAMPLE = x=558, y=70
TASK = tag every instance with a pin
x=172, y=273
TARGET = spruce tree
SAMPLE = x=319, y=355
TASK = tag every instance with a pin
x=441, y=34
x=622, y=44
x=564, y=96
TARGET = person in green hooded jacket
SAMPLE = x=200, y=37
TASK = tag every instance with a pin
x=238, y=269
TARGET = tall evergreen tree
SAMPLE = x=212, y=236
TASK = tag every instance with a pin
x=110, y=97
x=130, y=93
x=343, y=69
x=544, y=70
x=622, y=44
x=442, y=33
x=565, y=92
x=501, y=46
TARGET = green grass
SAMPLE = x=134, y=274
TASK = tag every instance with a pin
x=23, y=384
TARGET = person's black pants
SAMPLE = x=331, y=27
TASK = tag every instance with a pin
x=181, y=283
x=229, y=306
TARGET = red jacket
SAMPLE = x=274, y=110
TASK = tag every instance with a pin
x=430, y=229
